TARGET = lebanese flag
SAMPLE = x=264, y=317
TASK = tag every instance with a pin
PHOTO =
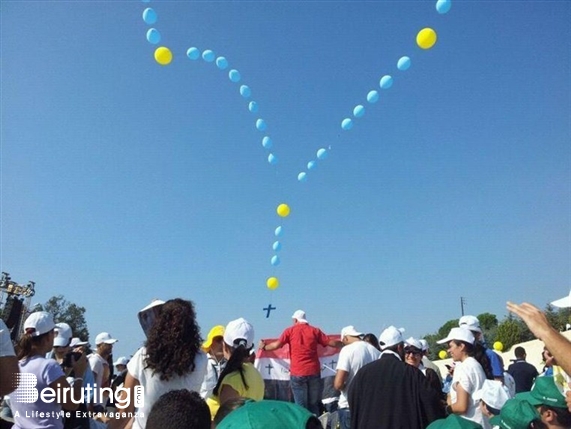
x=274, y=365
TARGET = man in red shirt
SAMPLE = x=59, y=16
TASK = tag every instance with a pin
x=305, y=368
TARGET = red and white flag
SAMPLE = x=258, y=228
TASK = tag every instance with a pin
x=275, y=364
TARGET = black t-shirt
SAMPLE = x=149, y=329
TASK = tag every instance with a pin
x=524, y=374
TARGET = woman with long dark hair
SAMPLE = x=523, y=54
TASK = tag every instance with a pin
x=239, y=378
x=471, y=370
x=38, y=340
x=171, y=359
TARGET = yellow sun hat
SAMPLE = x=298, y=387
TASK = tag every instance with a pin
x=217, y=331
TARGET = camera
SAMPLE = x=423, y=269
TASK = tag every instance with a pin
x=67, y=360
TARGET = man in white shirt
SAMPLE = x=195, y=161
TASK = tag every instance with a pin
x=100, y=366
x=355, y=354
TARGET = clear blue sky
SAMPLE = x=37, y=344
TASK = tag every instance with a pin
x=124, y=180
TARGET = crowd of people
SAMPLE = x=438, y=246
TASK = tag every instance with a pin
x=51, y=381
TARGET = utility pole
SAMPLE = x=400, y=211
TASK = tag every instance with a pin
x=462, y=302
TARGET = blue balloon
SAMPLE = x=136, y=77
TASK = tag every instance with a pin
x=267, y=142
x=222, y=63
x=403, y=63
x=279, y=232
x=275, y=260
x=272, y=159
x=386, y=82
x=302, y=177
x=358, y=111
x=373, y=96
x=153, y=36
x=193, y=53
x=322, y=153
x=443, y=6
x=208, y=56
x=234, y=75
x=245, y=91
x=261, y=125
x=347, y=124
x=149, y=16
x=277, y=246
x=311, y=165
x=253, y=107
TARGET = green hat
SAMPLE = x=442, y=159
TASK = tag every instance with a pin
x=515, y=414
x=454, y=421
x=267, y=414
x=544, y=392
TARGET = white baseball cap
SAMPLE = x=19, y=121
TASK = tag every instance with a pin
x=299, y=315
x=104, y=337
x=470, y=322
x=493, y=393
x=424, y=344
x=39, y=323
x=76, y=342
x=121, y=361
x=390, y=336
x=239, y=331
x=413, y=342
x=63, y=334
x=459, y=334
x=350, y=331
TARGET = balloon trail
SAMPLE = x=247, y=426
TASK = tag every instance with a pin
x=164, y=56
x=425, y=39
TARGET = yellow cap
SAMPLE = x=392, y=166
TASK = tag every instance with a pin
x=217, y=331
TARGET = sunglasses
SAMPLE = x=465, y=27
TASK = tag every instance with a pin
x=412, y=352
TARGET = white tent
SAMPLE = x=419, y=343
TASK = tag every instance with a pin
x=563, y=302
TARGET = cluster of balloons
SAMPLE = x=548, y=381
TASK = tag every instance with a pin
x=164, y=56
x=283, y=211
x=245, y=91
x=425, y=39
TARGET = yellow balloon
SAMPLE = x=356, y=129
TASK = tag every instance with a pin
x=498, y=346
x=283, y=210
x=426, y=38
x=163, y=56
x=272, y=283
x=442, y=354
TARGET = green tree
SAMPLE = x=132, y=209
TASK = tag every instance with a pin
x=434, y=347
x=509, y=332
x=445, y=329
x=558, y=317
x=488, y=321
x=70, y=313
x=552, y=316
x=489, y=325
x=512, y=331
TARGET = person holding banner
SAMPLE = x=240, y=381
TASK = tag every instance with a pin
x=305, y=369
